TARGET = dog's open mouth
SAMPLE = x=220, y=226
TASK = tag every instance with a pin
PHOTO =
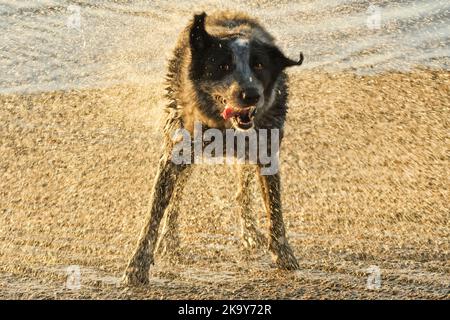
x=241, y=118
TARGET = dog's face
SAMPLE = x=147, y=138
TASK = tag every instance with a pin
x=236, y=75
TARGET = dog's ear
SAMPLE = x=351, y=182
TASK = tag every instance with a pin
x=290, y=63
x=199, y=39
x=282, y=61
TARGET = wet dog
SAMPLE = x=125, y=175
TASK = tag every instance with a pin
x=226, y=73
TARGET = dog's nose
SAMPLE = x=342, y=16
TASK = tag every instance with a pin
x=249, y=97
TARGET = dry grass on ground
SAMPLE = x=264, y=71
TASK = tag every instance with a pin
x=365, y=166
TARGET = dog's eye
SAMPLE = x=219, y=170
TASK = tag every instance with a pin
x=258, y=66
x=224, y=67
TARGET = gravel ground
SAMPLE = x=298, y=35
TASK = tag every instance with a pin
x=365, y=168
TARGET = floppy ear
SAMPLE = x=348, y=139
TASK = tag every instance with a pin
x=199, y=39
x=289, y=63
x=282, y=61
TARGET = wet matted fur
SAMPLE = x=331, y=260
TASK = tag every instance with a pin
x=221, y=60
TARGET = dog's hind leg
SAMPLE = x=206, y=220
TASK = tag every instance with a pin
x=278, y=244
x=169, y=240
x=137, y=271
x=251, y=237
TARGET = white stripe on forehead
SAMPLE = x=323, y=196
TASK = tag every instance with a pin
x=241, y=52
x=241, y=42
x=240, y=47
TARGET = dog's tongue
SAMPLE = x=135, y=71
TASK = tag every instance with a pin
x=228, y=113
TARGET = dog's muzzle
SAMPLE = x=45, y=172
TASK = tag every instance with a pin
x=241, y=118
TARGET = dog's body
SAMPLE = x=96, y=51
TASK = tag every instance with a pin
x=226, y=73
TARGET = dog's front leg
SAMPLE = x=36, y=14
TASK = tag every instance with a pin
x=169, y=240
x=278, y=244
x=138, y=267
x=250, y=236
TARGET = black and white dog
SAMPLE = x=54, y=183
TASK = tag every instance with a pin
x=226, y=73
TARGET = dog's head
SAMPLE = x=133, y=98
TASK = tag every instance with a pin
x=235, y=74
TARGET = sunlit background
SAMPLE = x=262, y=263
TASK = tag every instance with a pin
x=47, y=45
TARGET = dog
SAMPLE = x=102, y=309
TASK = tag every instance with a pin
x=226, y=73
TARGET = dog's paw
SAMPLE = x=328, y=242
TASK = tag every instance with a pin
x=135, y=278
x=284, y=258
x=287, y=263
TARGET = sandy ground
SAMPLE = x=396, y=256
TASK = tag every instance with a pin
x=365, y=166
